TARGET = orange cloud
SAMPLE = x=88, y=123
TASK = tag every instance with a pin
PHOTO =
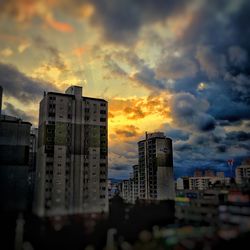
x=79, y=51
x=63, y=27
x=139, y=108
x=127, y=131
x=26, y=10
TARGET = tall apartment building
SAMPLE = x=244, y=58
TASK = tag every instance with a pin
x=136, y=182
x=14, y=163
x=242, y=172
x=32, y=163
x=72, y=160
x=156, y=181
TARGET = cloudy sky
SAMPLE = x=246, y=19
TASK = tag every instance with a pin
x=181, y=67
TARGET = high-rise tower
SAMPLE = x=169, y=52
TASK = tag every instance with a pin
x=72, y=160
x=156, y=180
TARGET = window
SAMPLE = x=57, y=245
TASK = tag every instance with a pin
x=102, y=119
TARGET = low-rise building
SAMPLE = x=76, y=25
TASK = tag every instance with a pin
x=242, y=172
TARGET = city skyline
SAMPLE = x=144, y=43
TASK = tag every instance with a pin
x=184, y=71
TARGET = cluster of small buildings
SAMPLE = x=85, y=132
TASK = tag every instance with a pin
x=209, y=179
x=213, y=198
x=153, y=178
x=202, y=180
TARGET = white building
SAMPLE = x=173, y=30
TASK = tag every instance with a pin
x=206, y=182
x=242, y=172
x=72, y=160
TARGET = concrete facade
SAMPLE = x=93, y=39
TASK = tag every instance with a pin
x=242, y=172
x=206, y=182
x=72, y=160
x=156, y=180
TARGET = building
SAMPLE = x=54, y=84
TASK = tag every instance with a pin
x=205, y=182
x=198, y=173
x=1, y=99
x=199, y=205
x=14, y=163
x=242, y=172
x=112, y=189
x=72, y=159
x=156, y=181
x=182, y=183
x=136, y=182
x=220, y=174
x=125, y=190
x=209, y=173
x=32, y=163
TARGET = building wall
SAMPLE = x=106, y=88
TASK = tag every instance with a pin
x=156, y=179
x=242, y=173
x=14, y=163
x=1, y=99
x=202, y=183
x=73, y=146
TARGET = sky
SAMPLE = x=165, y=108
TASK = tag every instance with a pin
x=180, y=67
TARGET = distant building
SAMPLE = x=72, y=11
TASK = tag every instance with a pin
x=220, y=174
x=136, y=181
x=205, y=182
x=32, y=163
x=198, y=173
x=14, y=163
x=156, y=181
x=72, y=158
x=242, y=172
x=112, y=189
x=199, y=205
x=182, y=183
x=209, y=173
x=1, y=99
x=125, y=189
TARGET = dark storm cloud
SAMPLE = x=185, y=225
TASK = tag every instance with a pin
x=21, y=86
x=175, y=134
x=183, y=147
x=238, y=136
x=121, y=167
x=226, y=103
x=221, y=148
x=217, y=41
x=122, y=20
x=147, y=77
x=13, y=111
x=188, y=111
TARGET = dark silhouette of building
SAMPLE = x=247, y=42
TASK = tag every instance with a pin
x=14, y=163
